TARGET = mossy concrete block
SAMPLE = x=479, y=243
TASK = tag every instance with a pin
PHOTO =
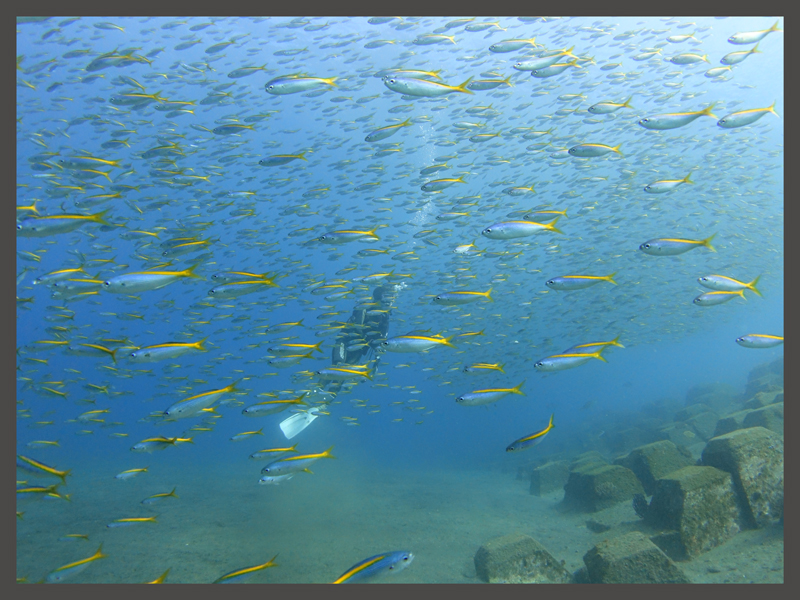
x=631, y=558
x=689, y=411
x=653, y=461
x=699, y=503
x=769, y=417
x=754, y=458
x=518, y=558
x=703, y=424
x=549, y=477
x=730, y=423
x=624, y=439
x=718, y=396
x=770, y=382
x=596, y=486
x=679, y=434
x=592, y=456
x=764, y=399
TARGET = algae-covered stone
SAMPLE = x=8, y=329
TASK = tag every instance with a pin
x=699, y=503
x=549, y=477
x=679, y=434
x=518, y=558
x=769, y=417
x=631, y=558
x=596, y=486
x=703, y=424
x=754, y=458
x=764, y=399
x=770, y=382
x=730, y=423
x=652, y=461
x=592, y=456
x=718, y=396
x=688, y=412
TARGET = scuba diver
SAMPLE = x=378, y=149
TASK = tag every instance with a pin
x=356, y=344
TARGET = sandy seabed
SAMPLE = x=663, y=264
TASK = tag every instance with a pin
x=319, y=525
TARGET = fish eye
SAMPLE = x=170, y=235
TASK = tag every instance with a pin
x=647, y=245
x=391, y=81
x=271, y=87
x=645, y=120
x=722, y=121
x=550, y=282
x=647, y=187
x=106, y=283
x=488, y=230
x=19, y=226
x=538, y=364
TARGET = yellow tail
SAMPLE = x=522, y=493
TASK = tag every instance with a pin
x=616, y=148
x=327, y=453
x=500, y=368
x=756, y=50
x=98, y=217
x=687, y=180
x=488, y=297
x=707, y=242
x=446, y=341
x=190, y=272
x=615, y=342
x=770, y=109
x=518, y=388
x=463, y=87
x=775, y=27
x=752, y=286
x=707, y=111
x=552, y=226
x=331, y=81
x=705, y=58
x=598, y=356
x=568, y=52
x=626, y=104
x=199, y=345
x=172, y=493
x=610, y=278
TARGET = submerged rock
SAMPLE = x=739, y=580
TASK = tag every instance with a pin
x=699, y=505
x=549, y=477
x=518, y=558
x=653, y=461
x=717, y=396
x=631, y=558
x=754, y=458
x=769, y=417
x=730, y=423
x=595, y=486
x=764, y=399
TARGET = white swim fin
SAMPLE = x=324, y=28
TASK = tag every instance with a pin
x=298, y=421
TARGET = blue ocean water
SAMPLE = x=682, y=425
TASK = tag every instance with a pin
x=404, y=425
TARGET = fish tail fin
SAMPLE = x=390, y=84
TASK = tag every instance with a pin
x=615, y=342
x=172, y=493
x=550, y=424
x=302, y=155
x=707, y=242
x=627, y=103
x=705, y=58
x=487, y=294
x=331, y=81
x=372, y=232
x=552, y=226
x=63, y=475
x=113, y=354
x=741, y=293
x=755, y=50
x=309, y=471
x=500, y=368
x=327, y=453
x=317, y=346
x=300, y=400
x=770, y=108
x=507, y=81
x=463, y=87
x=199, y=345
x=190, y=272
x=610, y=278
x=575, y=64
x=616, y=148
x=687, y=180
x=407, y=123
x=775, y=27
x=98, y=217
x=707, y=111
x=568, y=52
x=99, y=553
x=598, y=356
x=446, y=341
x=517, y=389
x=752, y=286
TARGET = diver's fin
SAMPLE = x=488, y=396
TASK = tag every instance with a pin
x=297, y=422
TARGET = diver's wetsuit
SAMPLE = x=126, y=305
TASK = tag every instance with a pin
x=369, y=323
